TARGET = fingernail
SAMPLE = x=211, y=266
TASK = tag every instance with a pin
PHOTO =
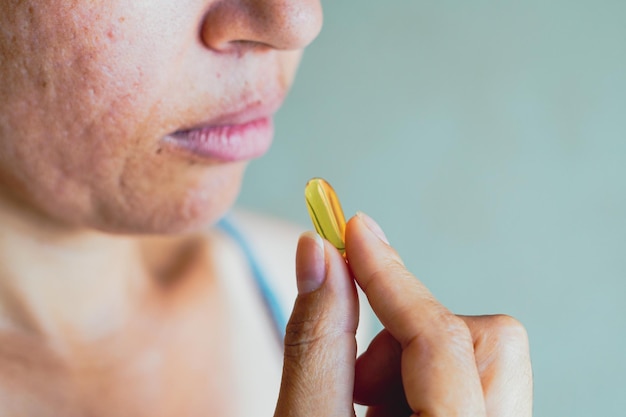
x=373, y=226
x=310, y=263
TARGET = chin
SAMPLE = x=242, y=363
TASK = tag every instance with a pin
x=187, y=208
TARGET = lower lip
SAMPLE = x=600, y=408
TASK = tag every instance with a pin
x=226, y=143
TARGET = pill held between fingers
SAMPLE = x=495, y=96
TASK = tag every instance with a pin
x=325, y=211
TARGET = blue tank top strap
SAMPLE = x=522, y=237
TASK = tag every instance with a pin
x=261, y=280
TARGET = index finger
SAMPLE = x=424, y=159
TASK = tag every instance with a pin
x=439, y=372
x=402, y=303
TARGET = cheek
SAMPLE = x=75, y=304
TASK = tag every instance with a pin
x=90, y=81
x=76, y=99
x=84, y=104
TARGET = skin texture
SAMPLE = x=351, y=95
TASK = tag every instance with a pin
x=96, y=318
x=90, y=89
x=110, y=303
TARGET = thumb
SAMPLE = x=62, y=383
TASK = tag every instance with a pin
x=320, y=346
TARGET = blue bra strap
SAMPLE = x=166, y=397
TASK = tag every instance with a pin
x=271, y=303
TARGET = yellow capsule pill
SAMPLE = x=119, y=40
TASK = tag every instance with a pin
x=326, y=212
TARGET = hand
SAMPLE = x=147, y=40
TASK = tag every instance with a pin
x=426, y=362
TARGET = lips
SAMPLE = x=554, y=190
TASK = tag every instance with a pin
x=229, y=137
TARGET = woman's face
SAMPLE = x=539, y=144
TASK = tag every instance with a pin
x=140, y=116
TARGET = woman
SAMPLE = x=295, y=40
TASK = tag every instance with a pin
x=125, y=128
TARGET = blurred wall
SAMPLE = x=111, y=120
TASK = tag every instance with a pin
x=489, y=140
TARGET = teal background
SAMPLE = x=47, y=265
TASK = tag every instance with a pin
x=488, y=139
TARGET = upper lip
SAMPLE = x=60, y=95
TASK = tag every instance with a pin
x=249, y=111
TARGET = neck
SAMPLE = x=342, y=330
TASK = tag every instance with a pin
x=65, y=284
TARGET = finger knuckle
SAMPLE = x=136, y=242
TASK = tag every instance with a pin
x=303, y=332
x=507, y=331
x=455, y=329
x=448, y=331
x=502, y=347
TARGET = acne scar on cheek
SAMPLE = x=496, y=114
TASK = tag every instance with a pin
x=115, y=30
x=114, y=33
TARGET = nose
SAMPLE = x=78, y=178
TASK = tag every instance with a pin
x=278, y=24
